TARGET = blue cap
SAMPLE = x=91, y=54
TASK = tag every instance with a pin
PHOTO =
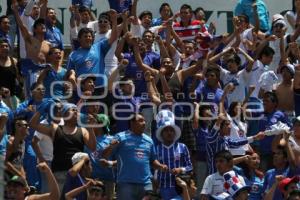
x=67, y=106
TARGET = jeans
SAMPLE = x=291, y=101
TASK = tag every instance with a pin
x=132, y=191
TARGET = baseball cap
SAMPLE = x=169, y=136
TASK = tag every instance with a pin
x=78, y=157
x=285, y=182
x=290, y=67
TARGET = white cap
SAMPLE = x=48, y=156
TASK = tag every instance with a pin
x=78, y=157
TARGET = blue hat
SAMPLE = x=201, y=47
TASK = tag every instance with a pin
x=67, y=106
x=164, y=119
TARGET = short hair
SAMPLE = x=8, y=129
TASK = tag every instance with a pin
x=199, y=9
x=235, y=58
x=266, y=51
x=213, y=70
x=3, y=17
x=188, y=42
x=52, y=49
x=14, y=122
x=148, y=31
x=35, y=85
x=49, y=8
x=83, y=9
x=85, y=31
x=224, y=154
x=145, y=13
x=124, y=79
x=38, y=22
x=104, y=15
x=272, y=96
x=294, y=193
x=245, y=17
x=283, y=149
x=186, y=6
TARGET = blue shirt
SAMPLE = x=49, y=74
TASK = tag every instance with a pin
x=85, y=3
x=120, y=5
x=72, y=183
x=102, y=173
x=215, y=143
x=90, y=61
x=134, y=71
x=269, y=180
x=265, y=123
x=4, y=36
x=124, y=107
x=209, y=95
x=135, y=154
x=174, y=156
x=5, y=109
x=3, y=144
x=58, y=89
x=200, y=134
x=244, y=7
x=54, y=36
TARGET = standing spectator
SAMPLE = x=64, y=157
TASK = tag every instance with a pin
x=9, y=74
x=285, y=89
x=52, y=74
x=89, y=58
x=171, y=153
x=67, y=139
x=244, y=7
x=4, y=30
x=78, y=174
x=136, y=153
x=293, y=14
x=214, y=183
x=166, y=13
x=187, y=28
x=53, y=34
x=16, y=187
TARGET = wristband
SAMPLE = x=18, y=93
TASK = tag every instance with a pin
x=110, y=164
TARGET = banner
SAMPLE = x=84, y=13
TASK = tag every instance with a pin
x=220, y=11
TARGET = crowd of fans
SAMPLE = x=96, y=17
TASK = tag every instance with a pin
x=149, y=108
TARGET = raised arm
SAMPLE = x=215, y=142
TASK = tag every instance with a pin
x=89, y=137
x=190, y=71
x=115, y=74
x=24, y=31
x=154, y=96
x=75, y=192
x=134, y=12
x=44, y=6
x=35, y=124
x=163, y=50
x=139, y=60
x=114, y=30
x=52, y=184
x=248, y=58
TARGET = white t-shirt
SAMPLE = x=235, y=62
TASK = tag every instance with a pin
x=243, y=77
x=238, y=131
x=110, y=59
x=257, y=70
x=245, y=35
x=74, y=31
x=214, y=184
x=46, y=143
x=276, y=58
x=28, y=22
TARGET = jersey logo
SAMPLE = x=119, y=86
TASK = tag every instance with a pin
x=210, y=95
x=139, y=153
x=88, y=64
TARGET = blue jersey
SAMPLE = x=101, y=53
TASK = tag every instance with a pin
x=135, y=154
x=215, y=143
x=4, y=36
x=103, y=173
x=54, y=36
x=134, y=71
x=90, y=61
x=201, y=142
x=58, y=89
x=120, y=5
x=269, y=180
x=208, y=95
x=5, y=109
x=174, y=156
x=265, y=123
x=85, y=3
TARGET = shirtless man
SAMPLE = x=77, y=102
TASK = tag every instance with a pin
x=284, y=90
x=36, y=46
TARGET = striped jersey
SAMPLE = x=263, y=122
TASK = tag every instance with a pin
x=215, y=143
x=174, y=156
x=189, y=32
